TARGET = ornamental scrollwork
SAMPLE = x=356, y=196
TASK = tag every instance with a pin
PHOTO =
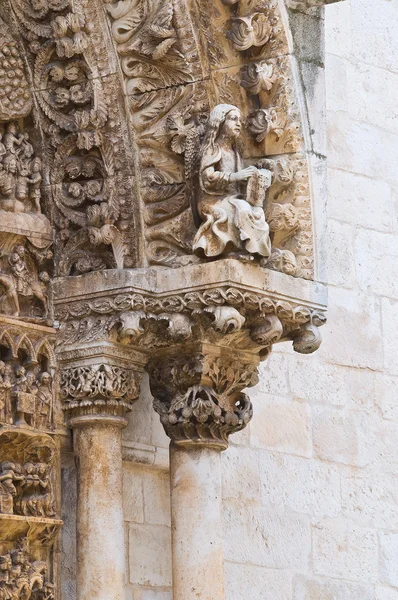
x=85, y=163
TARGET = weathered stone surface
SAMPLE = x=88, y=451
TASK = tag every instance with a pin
x=150, y=555
x=282, y=425
x=345, y=550
x=370, y=500
x=341, y=436
x=300, y=485
x=359, y=314
x=267, y=538
x=389, y=310
x=312, y=589
x=265, y=584
x=388, y=558
x=360, y=200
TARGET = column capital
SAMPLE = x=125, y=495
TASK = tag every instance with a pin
x=198, y=393
x=99, y=382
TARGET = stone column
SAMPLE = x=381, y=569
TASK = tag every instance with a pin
x=100, y=536
x=196, y=523
x=97, y=394
x=199, y=399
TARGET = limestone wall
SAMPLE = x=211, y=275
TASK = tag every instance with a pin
x=310, y=487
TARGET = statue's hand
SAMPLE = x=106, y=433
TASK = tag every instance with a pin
x=243, y=174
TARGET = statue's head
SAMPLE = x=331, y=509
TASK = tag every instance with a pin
x=10, y=163
x=30, y=376
x=12, y=127
x=20, y=371
x=45, y=378
x=226, y=119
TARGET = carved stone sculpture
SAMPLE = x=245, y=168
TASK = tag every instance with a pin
x=27, y=474
x=233, y=217
x=26, y=392
x=20, y=172
x=15, y=99
x=23, y=577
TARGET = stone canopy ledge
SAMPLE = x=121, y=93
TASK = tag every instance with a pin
x=107, y=291
x=155, y=307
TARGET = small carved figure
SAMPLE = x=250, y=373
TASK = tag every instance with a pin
x=26, y=284
x=20, y=172
x=45, y=500
x=27, y=501
x=5, y=401
x=233, y=217
x=7, y=283
x=12, y=137
x=5, y=568
x=43, y=401
x=35, y=182
x=25, y=400
x=9, y=474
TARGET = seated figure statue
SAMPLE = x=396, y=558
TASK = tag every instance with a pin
x=231, y=200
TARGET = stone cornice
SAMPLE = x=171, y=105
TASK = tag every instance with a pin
x=188, y=289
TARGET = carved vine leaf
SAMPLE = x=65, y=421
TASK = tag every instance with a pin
x=251, y=31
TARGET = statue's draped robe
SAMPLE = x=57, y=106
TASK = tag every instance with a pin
x=229, y=221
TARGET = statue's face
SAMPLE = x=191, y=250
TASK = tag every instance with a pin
x=233, y=124
x=12, y=166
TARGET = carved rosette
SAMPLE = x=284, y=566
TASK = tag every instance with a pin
x=199, y=397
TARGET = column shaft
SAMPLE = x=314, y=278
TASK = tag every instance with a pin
x=100, y=533
x=196, y=517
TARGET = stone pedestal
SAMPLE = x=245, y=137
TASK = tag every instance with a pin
x=196, y=523
x=100, y=536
